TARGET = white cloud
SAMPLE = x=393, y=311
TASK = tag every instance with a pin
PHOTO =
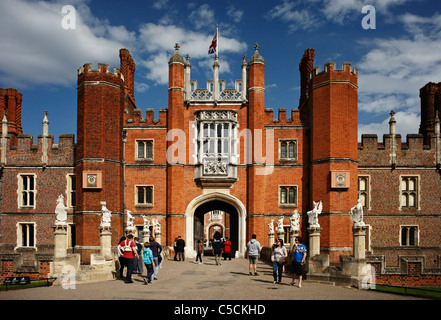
x=158, y=41
x=406, y=123
x=40, y=51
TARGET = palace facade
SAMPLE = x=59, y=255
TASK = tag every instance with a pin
x=216, y=161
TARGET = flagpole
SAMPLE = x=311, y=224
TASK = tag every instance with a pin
x=217, y=40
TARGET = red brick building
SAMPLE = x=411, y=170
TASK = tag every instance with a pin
x=219, y=150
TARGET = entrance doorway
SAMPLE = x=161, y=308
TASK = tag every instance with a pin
x=233, y=226
x=216, y=220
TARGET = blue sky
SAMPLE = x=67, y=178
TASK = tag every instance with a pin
x=40, y=58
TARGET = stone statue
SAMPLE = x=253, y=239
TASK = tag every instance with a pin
x=295, y=221
x=280, y=224
x=271, y=227
x=156, y=226
x=313, y=214
x=357, y=214
x=130, y=220
x=146, y=222
x=60, y=211
x=106, y=215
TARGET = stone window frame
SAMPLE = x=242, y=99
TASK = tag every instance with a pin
x=146, y=204
x=408, y=192
x=29, y=237
x=366, y=192
x=20, y=190
x=70, y=191
x=416, y=235
x=288, y=204
x=146, y=156
x=287, y=157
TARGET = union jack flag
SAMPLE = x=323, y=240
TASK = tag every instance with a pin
x=213, y=46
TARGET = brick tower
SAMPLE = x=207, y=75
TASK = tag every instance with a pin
x=99, y=155
x=175, y=162
x=333, y=123
x=256, y=118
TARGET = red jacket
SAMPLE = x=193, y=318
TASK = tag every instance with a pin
x=227, y=246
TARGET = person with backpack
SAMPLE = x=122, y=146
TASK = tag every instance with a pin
x=199, y=250
x=128, y=250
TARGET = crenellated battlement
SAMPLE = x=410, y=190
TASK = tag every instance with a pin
x=103, y=68
x=136, y=119
x=413, y=151
x=332, y=73
x=282, y=117
x=28, y=153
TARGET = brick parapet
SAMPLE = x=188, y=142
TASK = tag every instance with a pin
x=412, y=153
x=135, y=119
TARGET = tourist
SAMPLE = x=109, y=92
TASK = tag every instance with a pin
x=128, y=249
x=180, y=246
x=227, y=249
x=121, y=259
x=298, y=261
x=278, y=256
x=199, y=250
x=253, y=248
x=156, y=250
x=217, y=250
x=138, y=261
x=148, y=261
x=175, y=248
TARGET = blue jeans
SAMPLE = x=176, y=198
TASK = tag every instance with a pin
x=277, y=271
x=156, y=262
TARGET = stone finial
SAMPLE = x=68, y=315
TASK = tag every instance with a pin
x=176, y=57
x=256, y=57
x=392, y=123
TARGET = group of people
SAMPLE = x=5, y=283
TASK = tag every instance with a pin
x=278, y=256
x=133, y=255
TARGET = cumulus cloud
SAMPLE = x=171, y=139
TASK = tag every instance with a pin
x=40, y=51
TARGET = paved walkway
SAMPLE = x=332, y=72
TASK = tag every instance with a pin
x=207, y=281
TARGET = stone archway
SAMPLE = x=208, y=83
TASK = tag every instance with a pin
x=220, y=199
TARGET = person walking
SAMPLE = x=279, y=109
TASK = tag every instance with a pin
x=278, y=256
x=128, y=249
x=147, y=255
x=227, y=248
x=180, y=246
x=298, y=261
x=199, y=250
x=156, y=250
x=254, y=249
x=122, y=260
x=217, y=250
x=138, y=261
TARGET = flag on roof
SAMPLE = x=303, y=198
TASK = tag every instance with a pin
x=213, y=46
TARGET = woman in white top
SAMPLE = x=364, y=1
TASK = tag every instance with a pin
x=278, y=256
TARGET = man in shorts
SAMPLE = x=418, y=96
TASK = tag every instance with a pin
x=298, y=261
x=253, y=248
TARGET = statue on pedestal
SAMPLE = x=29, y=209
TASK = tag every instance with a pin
x=156, y=226
x=295, y=221
x=146, y=223
x=106, y=216
x=60, y=211
x=280, y=225
x=313, y=214
x=271, y=227
x=130, y=220
x=357, y=214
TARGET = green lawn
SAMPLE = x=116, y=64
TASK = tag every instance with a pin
x=430, y=293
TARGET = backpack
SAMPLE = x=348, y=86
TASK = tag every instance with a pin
x=127, y=247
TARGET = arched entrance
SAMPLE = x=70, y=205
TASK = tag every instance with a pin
x=231, y=206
